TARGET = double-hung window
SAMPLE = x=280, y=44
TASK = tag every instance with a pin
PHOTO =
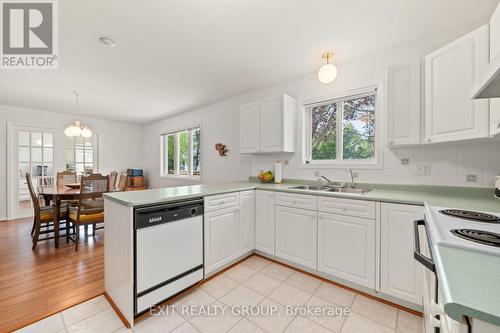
x=342, y=131
x=81, y=154
x=180, y=153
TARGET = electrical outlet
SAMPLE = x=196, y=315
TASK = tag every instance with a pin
x=355, y=174
x=285, y=162
x=423, y=169
x=471, y=178
x=316, y=173
x=405, y=161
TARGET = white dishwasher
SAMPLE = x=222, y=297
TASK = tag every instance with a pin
x=168, y=251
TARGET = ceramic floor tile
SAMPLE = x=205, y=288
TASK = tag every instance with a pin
x=358, y=324
x=303, y=325
x=334, y=294
x=256, y=262
x=246, y=326
x=185, y=328
x=303, y=281
x=160, y=323
x=286, y=294
x=242, y=295
x=193, y=299
x=240, y=273
x=408, y=323
x=103, y=322
x=84, y=310
x=374, y=310
x=50, y=324
x=219, y=286
x=219, y=322
x=326, y=319
x=262, y=283
x=278, y=272
x=273, y=318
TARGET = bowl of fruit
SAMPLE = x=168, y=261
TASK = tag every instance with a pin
x=266, y=176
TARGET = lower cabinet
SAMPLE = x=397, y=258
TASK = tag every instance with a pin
x=246, y=228
x=399, y=271
x=346, y=248
x=296, y=235
x=264, y=221
x=221, y=237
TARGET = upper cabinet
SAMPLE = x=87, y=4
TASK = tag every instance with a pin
x=450, y=73
x=403, y=104
x=268, y=125
x=495, y=54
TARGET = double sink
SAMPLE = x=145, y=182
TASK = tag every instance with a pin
x=330, y=189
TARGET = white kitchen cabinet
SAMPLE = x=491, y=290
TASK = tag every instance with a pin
x=268, y=125
x=403, y=104
x=399, y=275
x=495, y=52
x=450, y=73
x=346, y=248
x=221, y=237
x=246, y=228
x=296, y=235
x=264, y=221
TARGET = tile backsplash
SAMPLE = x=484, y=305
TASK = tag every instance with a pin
x=472, y=164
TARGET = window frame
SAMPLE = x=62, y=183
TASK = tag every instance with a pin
x=164, y=154
x=375, y=163
x=95, y=154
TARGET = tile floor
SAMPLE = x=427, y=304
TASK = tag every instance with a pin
x=256, y=281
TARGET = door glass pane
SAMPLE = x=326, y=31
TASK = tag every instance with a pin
x=36, y=139
x=36, y=154
x=23, y=154
x=23, y=169
x=183, y=153
x=48, y=140
x=23, y=138
x=324, y=129
x=36, y=170
x=359, y=128
x=48, y=169
x=196, y=151
x=48, y=154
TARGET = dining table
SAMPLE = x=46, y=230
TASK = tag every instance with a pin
x=57, y=194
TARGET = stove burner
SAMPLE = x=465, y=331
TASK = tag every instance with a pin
x=470, y=215
x=478, y=236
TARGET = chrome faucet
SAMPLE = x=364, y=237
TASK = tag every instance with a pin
x=327, y=180
x=352, y=177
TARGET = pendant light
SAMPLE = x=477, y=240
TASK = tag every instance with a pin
x=328, y=72
x=76, y=129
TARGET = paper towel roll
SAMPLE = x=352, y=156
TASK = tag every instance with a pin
x=278, y=172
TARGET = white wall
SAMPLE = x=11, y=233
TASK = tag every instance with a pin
x=449, y=162
x=120, y=144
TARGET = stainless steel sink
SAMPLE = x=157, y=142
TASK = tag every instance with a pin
x=330, y=189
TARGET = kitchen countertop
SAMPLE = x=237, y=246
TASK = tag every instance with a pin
x=466, y=198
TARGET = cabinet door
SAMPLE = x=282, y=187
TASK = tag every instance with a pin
x=403, y=104
x=400, y=276
x=450, y=72
x=296, y=235
x=221, y=238
x=250, y=128
x=271, y=118
x=346, y=248
x=494, y=52
x=246, y=228
x=264, y=221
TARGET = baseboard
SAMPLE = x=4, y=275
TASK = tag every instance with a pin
x=117, y=310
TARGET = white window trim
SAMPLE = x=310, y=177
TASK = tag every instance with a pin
x=163, y=146
x=376, y=163
x=95, y=154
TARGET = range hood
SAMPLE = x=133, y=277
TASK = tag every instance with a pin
x=488, y=84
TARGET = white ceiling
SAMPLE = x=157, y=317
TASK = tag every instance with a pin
x=172, y=56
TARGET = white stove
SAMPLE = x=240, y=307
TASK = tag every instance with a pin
x=470, y=230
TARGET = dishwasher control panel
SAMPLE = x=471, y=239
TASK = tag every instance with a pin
x=154, y=215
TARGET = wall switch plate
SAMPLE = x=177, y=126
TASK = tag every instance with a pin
x=285, y=162
x=471, y=178
x=405, y=161
x=423, y=169
x=355, y=174
x=316, y=173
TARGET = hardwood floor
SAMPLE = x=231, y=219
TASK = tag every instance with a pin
x=36, y=284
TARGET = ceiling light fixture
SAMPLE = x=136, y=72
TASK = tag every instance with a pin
x=328, y=72
x=76, y=128
x=107, y=41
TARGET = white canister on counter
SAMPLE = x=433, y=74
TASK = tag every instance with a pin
x=278, y=172
x=497, y=187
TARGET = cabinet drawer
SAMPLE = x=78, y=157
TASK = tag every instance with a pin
x=359, y=208
x=297, y=200
x=221, y=201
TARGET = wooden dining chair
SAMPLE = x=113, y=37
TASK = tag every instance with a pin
x=43, y=216
x=112, y=179
x=66, y=177
x=90, y=209
x=122, y=184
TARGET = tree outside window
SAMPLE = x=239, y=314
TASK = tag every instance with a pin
x=181, y=153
